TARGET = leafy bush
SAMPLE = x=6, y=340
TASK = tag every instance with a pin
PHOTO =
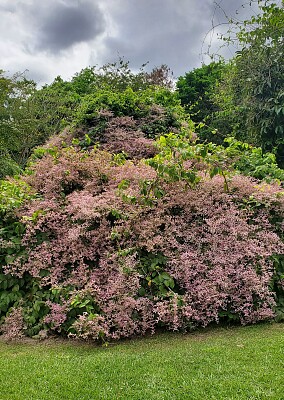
x=95, y=261
x=138, y=105
x=251, y=161
x=8, y=166
x=98, y=243
x=29, y=115
x=13, y=194
x=120, y=122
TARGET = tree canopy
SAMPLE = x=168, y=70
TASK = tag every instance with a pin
x=251, y=94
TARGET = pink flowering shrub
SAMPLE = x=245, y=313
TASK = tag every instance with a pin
x=123, y=134
x=117, y=134
x=14, y=325
x=110, y=265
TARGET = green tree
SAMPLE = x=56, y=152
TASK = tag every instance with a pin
x=119, y=76
x=18, y=128
x=57, y=104
x=195, y=90
x=251, y=95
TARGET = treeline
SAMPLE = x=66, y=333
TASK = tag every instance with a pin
x=29, y=116
x=242, y=98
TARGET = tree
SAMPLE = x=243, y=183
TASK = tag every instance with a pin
x=252, y=92
x=18, y=130
x=195, y=87
x=57, y=105
x=119, y=76
x=195, y=90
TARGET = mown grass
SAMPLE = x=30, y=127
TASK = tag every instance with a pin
x=237, y=363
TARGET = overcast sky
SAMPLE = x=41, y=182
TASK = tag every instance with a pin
x=60, y=37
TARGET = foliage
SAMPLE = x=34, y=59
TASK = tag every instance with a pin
x=13, y=288
x=97, y=242
x=12, y=194
x=57, y=104
x=118, y=76
x=29, y=116
x=96, y=265
x=18, y=131
x=195, y=90
x=126, y=103
x=228, y=159
x=251, y=94
x=179, y=158
x=121, y=122
x=251, y=161
x=8, y=166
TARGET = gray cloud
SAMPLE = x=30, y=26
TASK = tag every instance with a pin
x=60, y=37
x=61, y=24
x=170, y=32
x=159, y=31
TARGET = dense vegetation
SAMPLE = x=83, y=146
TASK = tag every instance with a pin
x=248, y=99
x=128, y=215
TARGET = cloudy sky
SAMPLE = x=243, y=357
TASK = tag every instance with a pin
x=60, y=37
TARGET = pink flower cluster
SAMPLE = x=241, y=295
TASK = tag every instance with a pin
x=14, y=325
x=123, y=134
x=57, y=315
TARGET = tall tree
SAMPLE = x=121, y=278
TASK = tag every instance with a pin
x=195, y=90
x=18, y=130
x=252, y=93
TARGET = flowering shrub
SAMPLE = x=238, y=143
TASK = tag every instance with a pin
x=103, y=264
x=14, y=325
x=109, y=234
x=128, y=103
x=126, y=121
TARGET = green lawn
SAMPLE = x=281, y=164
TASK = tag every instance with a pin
x=237, y=363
